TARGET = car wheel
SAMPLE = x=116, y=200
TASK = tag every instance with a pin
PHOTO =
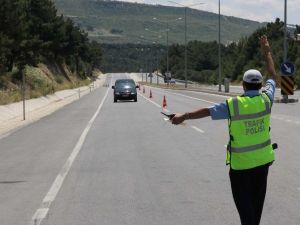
x=115, y=99
x=135, y=99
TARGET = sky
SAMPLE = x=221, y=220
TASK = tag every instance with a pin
x=257, y=10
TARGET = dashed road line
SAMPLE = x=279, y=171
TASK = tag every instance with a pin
x=42, y=212
x=154, y=103
x=198, y=99
x=197, y=129
x=197, y=92
x=284, y=119
x=205, y=93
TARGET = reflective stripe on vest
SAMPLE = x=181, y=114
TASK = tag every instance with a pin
x=238, y=116
x=251, y=148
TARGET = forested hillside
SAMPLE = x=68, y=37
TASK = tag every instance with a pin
x=202, y=60
x=236, y=57
x=132, y=57
x=32, y=35
x=124, y=22
x=55, y=53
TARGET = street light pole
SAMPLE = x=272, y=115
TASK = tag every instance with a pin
x=285, y=97
x=155, y=50
x=167, y=47
x=185, y=49
x=23, y=92
x=220, y=71
x=185, y=37
x=167, y=22
x=285, y=32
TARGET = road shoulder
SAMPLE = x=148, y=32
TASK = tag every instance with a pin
x=12, y=115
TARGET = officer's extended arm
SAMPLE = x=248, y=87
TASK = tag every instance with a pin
x=197, y=114
x=266, y=52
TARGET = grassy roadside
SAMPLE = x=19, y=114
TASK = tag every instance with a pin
x=40, y=81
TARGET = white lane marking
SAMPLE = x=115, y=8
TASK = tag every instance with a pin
x=154, y=103
x=199, y=99
x=197, y=129
x=284, y=119
x=206, y=93
x=274, y=117
x=42, y=212
x=198, y=92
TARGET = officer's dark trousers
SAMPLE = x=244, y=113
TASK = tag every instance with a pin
x=249, y=190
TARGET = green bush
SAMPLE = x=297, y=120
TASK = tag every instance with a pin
x=59, y=80
x=10, y=96
x=35, y=78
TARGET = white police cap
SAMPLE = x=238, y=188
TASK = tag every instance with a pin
x=253, y=77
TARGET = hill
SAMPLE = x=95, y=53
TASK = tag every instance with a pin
x=123, y=22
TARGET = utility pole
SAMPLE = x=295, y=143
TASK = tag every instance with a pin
x=167, y=22
x=285, y=97
x=185, y=37
x=185, y=49
x=167, y=47
x=23, y=91
x=285, y=32
x=220, y=64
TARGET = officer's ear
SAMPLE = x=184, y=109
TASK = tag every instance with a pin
x=244, y=86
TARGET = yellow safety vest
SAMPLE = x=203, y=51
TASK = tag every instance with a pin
x=249, y=121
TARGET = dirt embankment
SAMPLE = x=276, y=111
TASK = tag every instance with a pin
x=11, y=115
x=41, y=80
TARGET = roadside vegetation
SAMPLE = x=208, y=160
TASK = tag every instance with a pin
x=50, y=50
x=54, y=53
x=237, y=57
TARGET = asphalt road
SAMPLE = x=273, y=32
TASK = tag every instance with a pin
x=96, y=162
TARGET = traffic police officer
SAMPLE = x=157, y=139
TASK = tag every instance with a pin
x=249, y=151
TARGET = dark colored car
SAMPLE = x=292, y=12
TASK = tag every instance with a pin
x=125, y=89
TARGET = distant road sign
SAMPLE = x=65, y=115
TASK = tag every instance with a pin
x=287, y=68
x=168, y=74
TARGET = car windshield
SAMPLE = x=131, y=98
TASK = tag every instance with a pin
x=125, y=84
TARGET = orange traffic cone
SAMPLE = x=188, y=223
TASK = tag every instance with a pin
x=164, y=105
x=150, y=96
x=144, y=90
